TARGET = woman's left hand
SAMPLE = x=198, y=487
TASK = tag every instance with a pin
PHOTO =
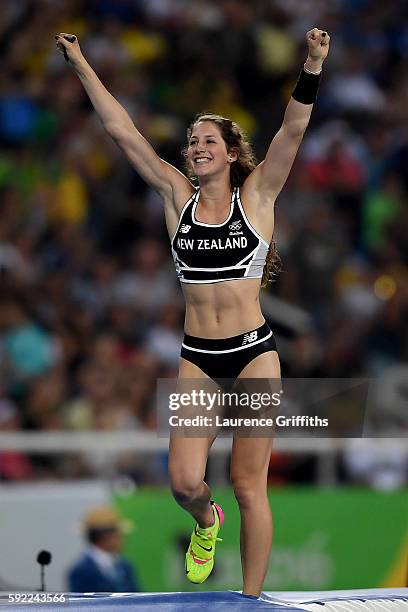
x=318, y=42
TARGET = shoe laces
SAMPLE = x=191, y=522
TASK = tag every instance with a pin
x=204, y=536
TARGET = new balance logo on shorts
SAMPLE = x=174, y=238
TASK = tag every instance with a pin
x=184, y=229
x=251, y=337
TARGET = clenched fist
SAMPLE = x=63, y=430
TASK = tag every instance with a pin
x=318, y=42
x=68, y=45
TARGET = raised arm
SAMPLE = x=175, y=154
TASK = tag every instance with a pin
x=271, y=174
x=160, y=175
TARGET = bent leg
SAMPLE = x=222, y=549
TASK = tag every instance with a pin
x=187, y=465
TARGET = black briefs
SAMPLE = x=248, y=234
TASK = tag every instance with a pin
x=225, y=358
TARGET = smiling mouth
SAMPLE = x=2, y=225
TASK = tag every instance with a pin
x=202, y=160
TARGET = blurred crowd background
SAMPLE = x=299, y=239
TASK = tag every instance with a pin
x=91, y=312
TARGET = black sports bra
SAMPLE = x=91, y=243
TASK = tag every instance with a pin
x=211, y=253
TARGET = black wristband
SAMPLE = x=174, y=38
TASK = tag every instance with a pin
x=306, y=88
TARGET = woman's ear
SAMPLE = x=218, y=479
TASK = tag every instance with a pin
x=232, y=155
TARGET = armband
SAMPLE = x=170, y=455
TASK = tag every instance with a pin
x=306, y=87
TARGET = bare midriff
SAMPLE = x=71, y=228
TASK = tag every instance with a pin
x=222, y=310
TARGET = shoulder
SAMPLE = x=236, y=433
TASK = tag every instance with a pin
x=182, y=193
x=176, y=196
x=175, y=205
x=258, y=204
x=254, y=193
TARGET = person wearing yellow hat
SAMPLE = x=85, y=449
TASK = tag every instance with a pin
x=101, y=567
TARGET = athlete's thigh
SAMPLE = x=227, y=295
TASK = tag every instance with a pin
x=188, y=453
x=266, y=365
x=251, y=455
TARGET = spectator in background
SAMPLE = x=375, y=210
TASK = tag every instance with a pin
x=165, y=337
x=28, y=349
x=147, y=284
x=102, y=568
x=14, y=465
x=100, y=405
x=43, y=403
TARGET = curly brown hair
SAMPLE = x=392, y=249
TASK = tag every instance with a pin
x=236, y=140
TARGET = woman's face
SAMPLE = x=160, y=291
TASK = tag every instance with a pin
x=207, y=151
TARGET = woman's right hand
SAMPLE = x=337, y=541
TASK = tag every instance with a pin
x=68, y=45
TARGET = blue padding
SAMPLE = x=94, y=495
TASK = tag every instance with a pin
x=320, y=597
x=164, y=602
x=229, y=601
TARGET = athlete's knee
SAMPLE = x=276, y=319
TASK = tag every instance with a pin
x=185, y=487
x=247, y=493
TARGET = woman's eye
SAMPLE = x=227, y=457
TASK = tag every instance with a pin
x=194, y=142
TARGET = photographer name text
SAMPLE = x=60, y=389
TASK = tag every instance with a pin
x=218, y=421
